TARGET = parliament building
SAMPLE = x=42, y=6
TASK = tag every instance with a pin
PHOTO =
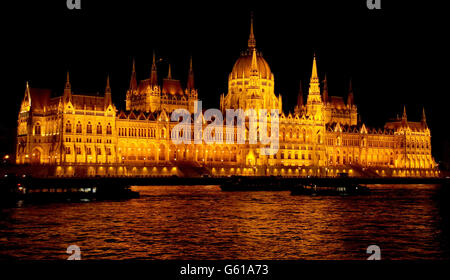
x=86, y=135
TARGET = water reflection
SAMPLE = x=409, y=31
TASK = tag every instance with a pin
x=201, y=222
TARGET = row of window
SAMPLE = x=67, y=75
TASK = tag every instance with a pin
x=139, y=132
x=88, y=140
x=98, y=151
x=79, y=128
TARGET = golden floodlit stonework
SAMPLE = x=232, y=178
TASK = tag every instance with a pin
x=85, y=135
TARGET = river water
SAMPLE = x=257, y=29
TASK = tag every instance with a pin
x=202, y=222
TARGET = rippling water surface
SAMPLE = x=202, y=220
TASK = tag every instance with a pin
x=201, y=222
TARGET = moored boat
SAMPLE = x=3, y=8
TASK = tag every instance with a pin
x=314, y=189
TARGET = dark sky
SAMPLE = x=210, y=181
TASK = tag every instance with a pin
x=395, y=56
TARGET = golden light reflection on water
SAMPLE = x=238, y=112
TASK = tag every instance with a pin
x=201, y=222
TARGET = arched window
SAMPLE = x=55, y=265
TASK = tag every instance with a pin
x=108, y=129
x=37, y=129
x=99, y=128
x=68, y=127
x=89, y=128
x=79, y=129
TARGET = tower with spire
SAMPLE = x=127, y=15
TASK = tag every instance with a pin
x=251, y=82
x=314, y=104
x=424, y=118
x=299, y=107
x=108, y=100
x=404, y=116
x=190, y=82
x=67, y=96
x=350, y=98
x=325, y=90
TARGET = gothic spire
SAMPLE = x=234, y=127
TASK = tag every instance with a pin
x=67, y=96
x=254, y=67
x=404, y=117
x=424, y=117
x=108, y=100
x=108, y=87
x=300, y=96
x=169, y=74
x=133, y=82
x=325, y=89
x=27, y=96
x=251, y=39
x=67, y=81
x=190, y=84
x=153, y=75
x=350, y=99
x=314, y=76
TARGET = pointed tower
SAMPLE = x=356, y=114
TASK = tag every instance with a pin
x=133, y=82
x=254, y=95
x=190, y=83
x=153, y=75
x=251, y=39
x=108, y=100
x=350, y=98
x=67, y=96
x=133, y=87
x=26, y=103
x=298, y=107
x=424, y=118
x=314, y=102
x=404, y=117
x=325, y=90
x=169, y=74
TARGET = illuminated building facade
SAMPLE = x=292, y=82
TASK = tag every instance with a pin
x=85, y=135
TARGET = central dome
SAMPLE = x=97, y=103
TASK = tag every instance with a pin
x=244, y=64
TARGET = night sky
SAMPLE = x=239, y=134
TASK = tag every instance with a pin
x=395, y=56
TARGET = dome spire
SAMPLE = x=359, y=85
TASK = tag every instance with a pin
x=254, y=67
x=251, y=39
